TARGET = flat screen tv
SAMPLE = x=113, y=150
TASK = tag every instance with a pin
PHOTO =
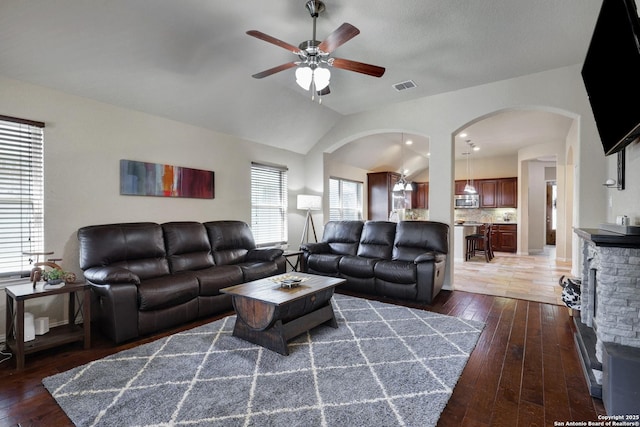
x=611, y=74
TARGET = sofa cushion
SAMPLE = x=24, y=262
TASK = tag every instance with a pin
x=324, y=263
x=376, y=240
x=356, y=266
x=396, y=271
x=145, y=268
x=230, y=241
x=187, y=246
x=258, y=270
x=413, y=238
x=167, y=291
x=107, y=244
x=212, y=279
x=343, y=237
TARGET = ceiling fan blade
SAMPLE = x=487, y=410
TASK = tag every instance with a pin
x=323, y=92
x=262, y=36
x=274, y=70
x=358, y=67
x=341, y=35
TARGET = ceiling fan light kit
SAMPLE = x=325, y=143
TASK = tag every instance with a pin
x=313, y=67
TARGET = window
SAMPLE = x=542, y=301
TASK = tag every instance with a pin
x=21, y=193
x=269, y=204
x=345, y=199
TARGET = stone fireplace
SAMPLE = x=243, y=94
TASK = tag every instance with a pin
x=608, y=329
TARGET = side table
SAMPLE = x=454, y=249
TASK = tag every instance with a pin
x=18, y=294
x=292, y=254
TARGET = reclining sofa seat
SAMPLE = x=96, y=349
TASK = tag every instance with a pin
x=147, y=277
x=406, y=260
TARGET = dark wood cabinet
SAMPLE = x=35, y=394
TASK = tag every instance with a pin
x=420, y=196
x=459, y=186
x=381, y=199
x=488, y=191
x=493, y=193
x=508, y=193
x=504, y=237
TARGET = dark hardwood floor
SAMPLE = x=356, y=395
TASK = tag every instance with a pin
x=524, y=370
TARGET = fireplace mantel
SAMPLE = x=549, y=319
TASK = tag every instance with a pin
x=608, y=238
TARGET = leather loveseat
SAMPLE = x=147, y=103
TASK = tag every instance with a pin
x=146, y=277
x=404, y=260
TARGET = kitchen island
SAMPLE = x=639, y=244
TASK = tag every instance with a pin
x=460, y=233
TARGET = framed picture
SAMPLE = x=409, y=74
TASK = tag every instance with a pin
x=154, y=179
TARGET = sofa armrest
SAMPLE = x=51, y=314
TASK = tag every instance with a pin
x=270, y=254
x=431, y=256
x=315, y=248
x=110, y=275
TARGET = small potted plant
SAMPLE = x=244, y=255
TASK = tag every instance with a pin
x=54, y=276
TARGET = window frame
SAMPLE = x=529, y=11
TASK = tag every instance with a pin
x=21, y=185
x=341, y=209
x=263, y=233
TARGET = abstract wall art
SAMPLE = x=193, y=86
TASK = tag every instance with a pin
x=154, y=179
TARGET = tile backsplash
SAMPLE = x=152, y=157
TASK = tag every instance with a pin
x=487, y=215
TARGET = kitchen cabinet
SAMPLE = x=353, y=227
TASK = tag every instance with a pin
x=494, y=193
x=381, y=199
x=459, y=187
x=420, y=196
x=507, y=237
x=488, y=191
x=507, y=193
x=504, y=237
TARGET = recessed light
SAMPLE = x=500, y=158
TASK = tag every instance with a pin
x=409, y=142
x=476, y=148
x=463, y=135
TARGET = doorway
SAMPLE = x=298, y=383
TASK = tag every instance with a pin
x=551, y=214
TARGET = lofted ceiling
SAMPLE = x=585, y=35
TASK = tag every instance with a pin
x=191, y=60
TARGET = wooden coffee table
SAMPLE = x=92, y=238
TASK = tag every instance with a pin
x=270, y=315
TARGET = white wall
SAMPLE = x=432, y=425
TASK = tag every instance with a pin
x=487, y=167
x=84, y=142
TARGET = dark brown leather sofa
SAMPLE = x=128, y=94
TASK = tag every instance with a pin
x=146, y=277
x=405, y=260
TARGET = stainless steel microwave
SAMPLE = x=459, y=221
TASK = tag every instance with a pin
x=466, y=201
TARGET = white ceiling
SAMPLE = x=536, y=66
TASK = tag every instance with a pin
x=191, y=60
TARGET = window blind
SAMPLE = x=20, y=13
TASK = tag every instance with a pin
x=269, y=194
x=21, y=193
x=345, y=200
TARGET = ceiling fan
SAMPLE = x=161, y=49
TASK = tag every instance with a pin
x=315, y=56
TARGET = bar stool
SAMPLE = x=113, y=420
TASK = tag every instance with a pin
x=473, y=244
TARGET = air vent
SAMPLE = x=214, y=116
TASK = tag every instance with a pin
x=409, y=84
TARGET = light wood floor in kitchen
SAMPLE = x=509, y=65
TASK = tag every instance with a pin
x=527, y=277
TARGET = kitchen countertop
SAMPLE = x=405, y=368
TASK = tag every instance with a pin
x=475, y=224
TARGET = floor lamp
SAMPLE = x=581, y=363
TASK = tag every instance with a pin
x=309, y=203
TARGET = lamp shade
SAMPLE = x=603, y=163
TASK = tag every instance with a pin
x=309, y=202
x=321, y=77
x=304, y=75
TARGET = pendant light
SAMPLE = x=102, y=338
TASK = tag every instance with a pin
x=469, y=188
x=402, y=184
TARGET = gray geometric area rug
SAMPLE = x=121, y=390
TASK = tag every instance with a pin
x=385, y=365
